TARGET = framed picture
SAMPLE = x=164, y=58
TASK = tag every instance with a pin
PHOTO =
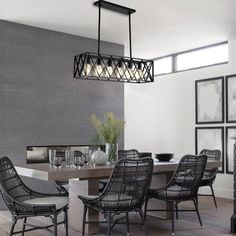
x=230, y=134
x=209, y=100
x=210, y=138
x=231, y=98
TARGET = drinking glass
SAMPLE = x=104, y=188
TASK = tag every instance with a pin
x=52, y=155
x=79, y=160
x=57, y=161
x=67, y=157
x=86, y=158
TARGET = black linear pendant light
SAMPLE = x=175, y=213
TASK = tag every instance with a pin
x=97, y=66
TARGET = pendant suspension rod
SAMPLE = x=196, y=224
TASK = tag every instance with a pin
x=99, y=25
x=130, y=39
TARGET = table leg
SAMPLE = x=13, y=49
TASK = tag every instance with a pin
x=76, y=207
x=159, y=181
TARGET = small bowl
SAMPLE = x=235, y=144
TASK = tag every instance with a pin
x=162, y=157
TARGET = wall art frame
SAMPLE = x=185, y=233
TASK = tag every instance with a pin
x=231, y=98
x=230, y=132
x=210, y=138
x=209, y=100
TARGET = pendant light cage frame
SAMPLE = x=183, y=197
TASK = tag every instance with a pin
x=93, y=66
x=97, y=66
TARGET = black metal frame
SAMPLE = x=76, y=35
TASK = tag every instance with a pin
x=222, y=141
x=183, y=186
x=134, y=70
x=196, y=100
x=175, y=55
x=125, y=192
x=117, y=62
x=227, y=98
x=226, y=143
x=21, y=210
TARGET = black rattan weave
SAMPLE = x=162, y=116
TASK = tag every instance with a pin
x=183, y=186
x=209, y=176
x=125, y=192
x=15, y=192
x=130, y=153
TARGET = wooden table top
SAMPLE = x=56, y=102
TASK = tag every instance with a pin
x=46, y=172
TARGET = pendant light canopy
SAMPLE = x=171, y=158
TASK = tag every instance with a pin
x=97, y=66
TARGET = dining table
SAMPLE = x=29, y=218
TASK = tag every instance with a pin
x=85, y=181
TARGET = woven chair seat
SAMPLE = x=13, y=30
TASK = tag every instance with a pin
x=171, y=193
x=59, y=202
x=109, y=202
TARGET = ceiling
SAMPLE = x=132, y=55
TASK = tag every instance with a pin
x=159, y=27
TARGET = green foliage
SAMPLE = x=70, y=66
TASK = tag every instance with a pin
x=109, y=130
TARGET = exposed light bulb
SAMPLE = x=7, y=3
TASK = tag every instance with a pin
x=109, y=69
x=99, y=69
x=129, y=74
x=139, y=72
x=119, y=71
x=88, y=70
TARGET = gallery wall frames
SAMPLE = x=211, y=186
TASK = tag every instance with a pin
x=231, y=98
x=209, y=100
x=230, y=134
x=210, y=138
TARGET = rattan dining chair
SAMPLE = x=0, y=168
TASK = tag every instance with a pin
x=24, y=202
x=209, y=175
x=130, y=153
x=125, y=192
x=182, y=187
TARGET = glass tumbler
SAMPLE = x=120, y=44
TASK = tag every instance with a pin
x=57, y=161
x=86, y=158
x=52, y=155
x=79, y=160
x=67, y=157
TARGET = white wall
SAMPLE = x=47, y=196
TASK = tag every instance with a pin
x=160, y=116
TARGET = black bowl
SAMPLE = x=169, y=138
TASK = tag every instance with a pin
x=164, y=156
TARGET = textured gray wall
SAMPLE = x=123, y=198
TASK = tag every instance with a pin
x=40, y=102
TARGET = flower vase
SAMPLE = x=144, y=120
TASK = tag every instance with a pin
x=112, y=152
x=99, y=157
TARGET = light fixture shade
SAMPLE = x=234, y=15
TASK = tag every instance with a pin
x=94, y=66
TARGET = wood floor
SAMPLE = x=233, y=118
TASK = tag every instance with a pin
x=216, y=222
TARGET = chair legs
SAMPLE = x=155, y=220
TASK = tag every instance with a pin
x=109, y=225
x=14, y=220
x=198, y=215
x=66, y=220
x=127, y=222
x=23, y=228
x=213, y=195
x=173, y=218
x=142, y=216
x=55, y=224
x=84, y=219
x=177, y=211
x=145, y=209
